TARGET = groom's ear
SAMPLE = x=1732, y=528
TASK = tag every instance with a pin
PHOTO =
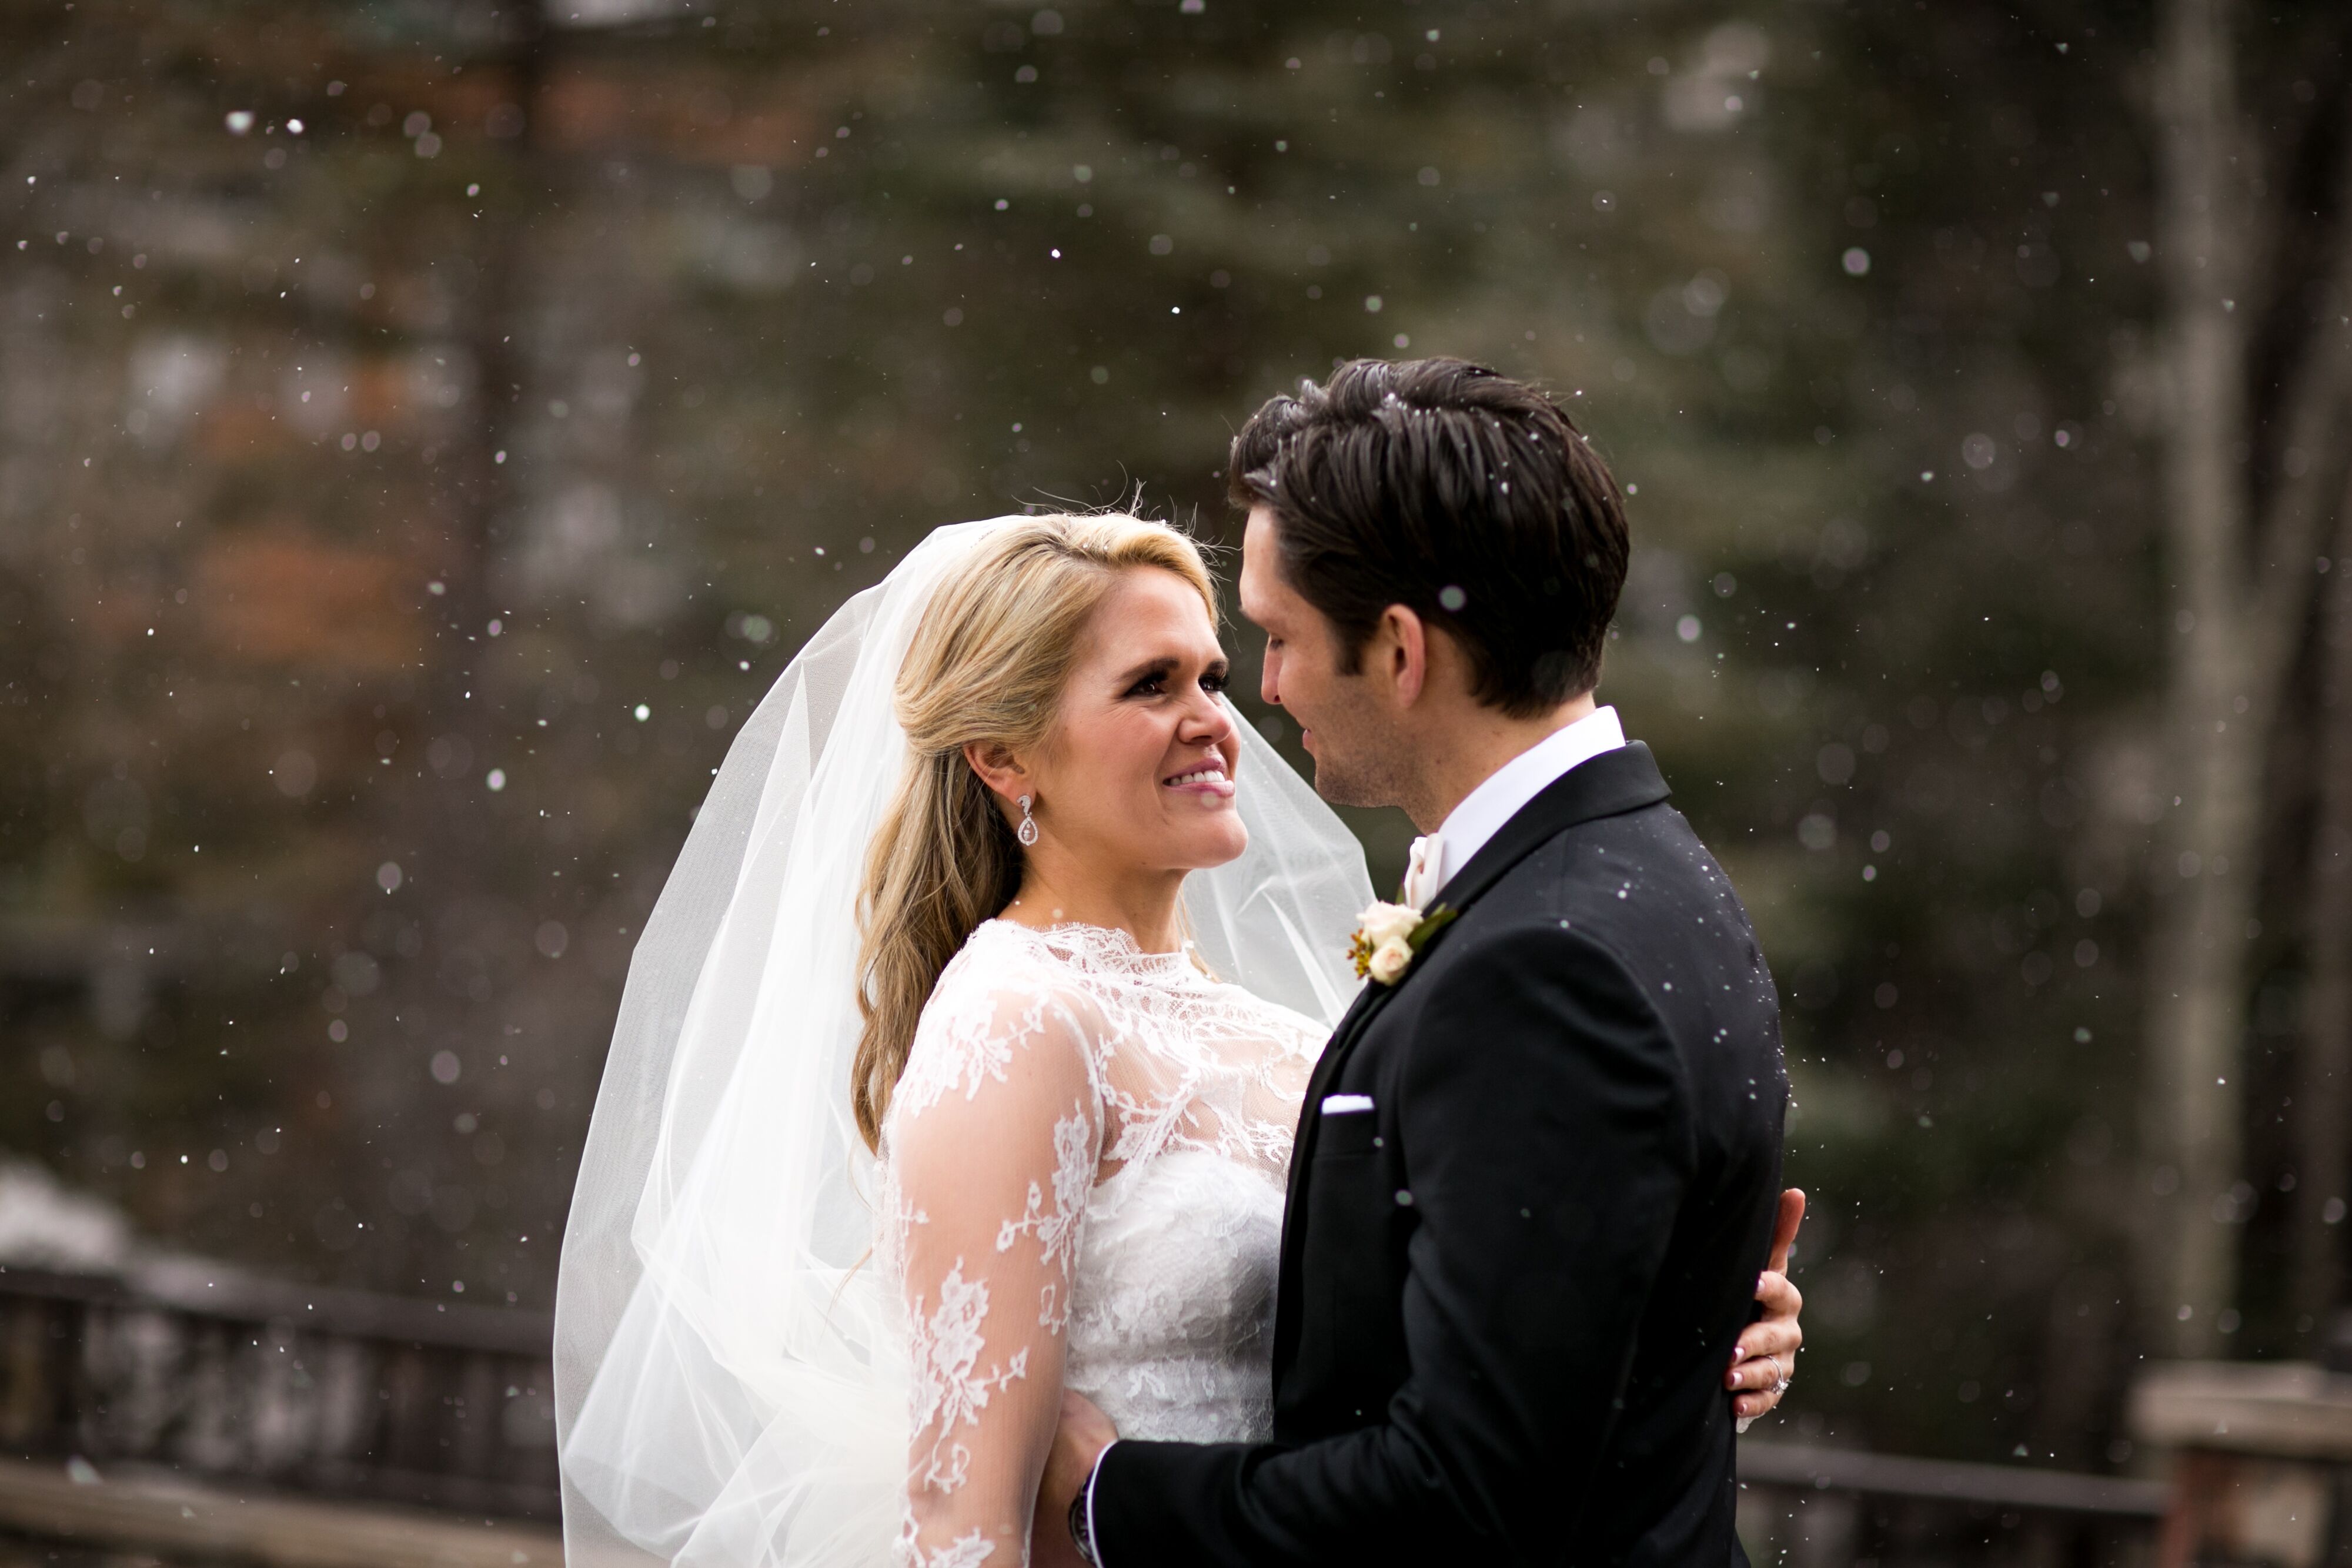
x=1398, y=653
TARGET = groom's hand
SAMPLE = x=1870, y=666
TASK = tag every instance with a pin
x=1765, y=1363
x=1078, y=1442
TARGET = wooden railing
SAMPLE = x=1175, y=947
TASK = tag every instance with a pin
x=333, y=1392
x=1810, y=1507
x=356, y=1398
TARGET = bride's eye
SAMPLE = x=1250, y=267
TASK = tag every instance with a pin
x=1216, y=682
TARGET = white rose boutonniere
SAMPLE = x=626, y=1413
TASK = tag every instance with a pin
x=1388, y=935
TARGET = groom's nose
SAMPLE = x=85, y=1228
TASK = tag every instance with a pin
x=1269, y=678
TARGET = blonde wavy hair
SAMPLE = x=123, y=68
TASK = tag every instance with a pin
x=988, y=664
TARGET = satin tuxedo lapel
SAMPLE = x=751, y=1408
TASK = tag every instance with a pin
x=1361, y=1012
x=1625, y=779
x=1326, y=1066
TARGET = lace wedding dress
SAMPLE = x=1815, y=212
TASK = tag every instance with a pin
x=1084, y=1159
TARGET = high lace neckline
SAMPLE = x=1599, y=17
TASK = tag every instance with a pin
x=1109, y=951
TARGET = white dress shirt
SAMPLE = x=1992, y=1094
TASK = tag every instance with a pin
x=1482, y=812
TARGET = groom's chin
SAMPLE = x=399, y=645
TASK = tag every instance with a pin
x=1344, y=786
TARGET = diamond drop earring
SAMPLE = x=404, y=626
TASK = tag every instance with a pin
x=1027, y=832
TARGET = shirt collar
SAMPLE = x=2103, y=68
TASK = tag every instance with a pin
x=1482, y=812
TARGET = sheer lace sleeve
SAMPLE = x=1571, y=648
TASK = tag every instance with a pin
x=994, y=1138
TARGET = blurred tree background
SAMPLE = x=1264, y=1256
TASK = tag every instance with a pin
x=426, y=427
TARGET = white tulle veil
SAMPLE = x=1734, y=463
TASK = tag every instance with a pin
x=729, y=1371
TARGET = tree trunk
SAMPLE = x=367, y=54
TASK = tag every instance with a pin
x=459, y=690
x=2203, y=873
x=2323, y=1101
x=2239, y=604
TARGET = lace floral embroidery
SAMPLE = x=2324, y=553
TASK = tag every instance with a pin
x=950, y=1392
x=973, y=1047
x=966, y=1551
x=1057, y=1233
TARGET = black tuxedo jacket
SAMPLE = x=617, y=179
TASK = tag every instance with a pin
x=1510, y=1288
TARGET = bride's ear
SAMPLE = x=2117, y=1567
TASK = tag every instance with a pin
x=997, y=768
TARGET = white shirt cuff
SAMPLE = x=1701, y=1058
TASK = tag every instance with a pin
x=1092, y=1476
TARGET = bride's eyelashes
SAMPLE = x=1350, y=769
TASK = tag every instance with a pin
x=1153, y=683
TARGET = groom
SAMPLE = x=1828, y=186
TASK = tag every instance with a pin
x=1534, y=1176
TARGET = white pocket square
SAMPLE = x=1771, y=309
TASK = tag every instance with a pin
x=1340, y=1104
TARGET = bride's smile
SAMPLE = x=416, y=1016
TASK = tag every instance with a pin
x=1208, y=780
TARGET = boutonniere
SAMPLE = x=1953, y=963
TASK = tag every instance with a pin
x=1389, y=934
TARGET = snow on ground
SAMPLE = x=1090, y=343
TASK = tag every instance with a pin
x=45, y=1224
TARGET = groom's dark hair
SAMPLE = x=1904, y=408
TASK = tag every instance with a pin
x=1452, y=489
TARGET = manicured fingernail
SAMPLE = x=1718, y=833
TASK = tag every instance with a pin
x=1743, y=1423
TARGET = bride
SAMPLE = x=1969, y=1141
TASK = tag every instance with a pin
x=958, y=1066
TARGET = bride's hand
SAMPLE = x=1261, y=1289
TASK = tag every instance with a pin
x=1764, y=1364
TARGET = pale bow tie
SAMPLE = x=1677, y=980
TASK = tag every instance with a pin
x=1421, y=869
